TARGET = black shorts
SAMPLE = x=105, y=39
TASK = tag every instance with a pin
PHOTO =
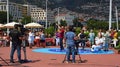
x=42, y=40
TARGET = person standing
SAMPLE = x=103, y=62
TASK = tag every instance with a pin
x=61, y=38
x=82, y=38
x=16, y=39
x=31, y=38
x=115, y=38
x=42, y=39
x=69, y=38
x=106, y=41
x=57, y=35
x=91, y=37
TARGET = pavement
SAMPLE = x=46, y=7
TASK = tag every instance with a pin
x=56, y=60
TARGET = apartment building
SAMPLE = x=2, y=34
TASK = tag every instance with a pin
x=38, y=14
x=3, y=5
x=26, y=9
x=14, y=9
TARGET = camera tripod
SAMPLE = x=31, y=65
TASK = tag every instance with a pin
x=4, y=61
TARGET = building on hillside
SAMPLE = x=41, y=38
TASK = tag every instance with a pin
x=67, y=17
x=3, y=6
x=50, y=16
x=39, y=15
x=26, y=9
x=14, y=9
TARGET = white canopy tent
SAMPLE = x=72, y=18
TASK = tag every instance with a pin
x=1, y=26
x=33, y=25
x=10, y=25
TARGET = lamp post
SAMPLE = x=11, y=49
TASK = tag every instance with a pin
x=58, y=16
x=110, y=14
x=117, y=17
x=7, y=15
x=46, y=14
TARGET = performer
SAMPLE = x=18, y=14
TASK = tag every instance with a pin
x=16, y=38
x=70, y=42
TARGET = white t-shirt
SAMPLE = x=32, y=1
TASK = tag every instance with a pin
x=99, y=40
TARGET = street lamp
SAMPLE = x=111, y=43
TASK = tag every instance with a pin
x=46, y=14
x=58, y=16
x=110, y=14
x=7, y=15
x=117, y=17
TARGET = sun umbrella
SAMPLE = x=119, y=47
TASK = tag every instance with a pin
x=33, y=25
x=1, y=26
x=10, y=25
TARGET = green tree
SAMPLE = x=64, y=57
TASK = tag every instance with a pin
x=3, y=17
x=96, y=24
x=77, y=23
x=63, y=23
x=50, y=30
x=26, y=19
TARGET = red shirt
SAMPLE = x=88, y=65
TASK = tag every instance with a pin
x=62, y=33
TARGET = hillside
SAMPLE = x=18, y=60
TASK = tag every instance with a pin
x=70, y=4
x=86, y=6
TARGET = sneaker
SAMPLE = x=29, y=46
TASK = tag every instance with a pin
x=20, y=62
x=12, y=62
x=73, y=62
x=67, y=62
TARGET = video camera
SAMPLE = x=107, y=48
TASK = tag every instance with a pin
x=21, y=28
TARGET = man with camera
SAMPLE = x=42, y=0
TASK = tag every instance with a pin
x=16, y=39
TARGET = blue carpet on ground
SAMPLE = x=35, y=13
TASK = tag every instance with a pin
x=58, y=51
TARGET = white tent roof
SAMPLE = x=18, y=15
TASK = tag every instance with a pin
x=1, y=26
x=33, y=25
x=10, y=25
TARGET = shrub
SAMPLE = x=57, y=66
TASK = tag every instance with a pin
x=50, y=30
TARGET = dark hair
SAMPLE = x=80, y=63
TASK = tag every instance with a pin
x=70, y=28
x=16, y=26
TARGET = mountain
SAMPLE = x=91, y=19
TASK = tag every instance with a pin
x=86, y=6
x=57, y=3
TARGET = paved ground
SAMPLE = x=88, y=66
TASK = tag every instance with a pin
x=53, y=60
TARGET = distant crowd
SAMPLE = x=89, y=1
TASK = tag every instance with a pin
x=107, y=38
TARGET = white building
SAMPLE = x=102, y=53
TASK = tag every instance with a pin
x=50, y=16
x=26, y=9
x=67, y=17
x=38, y=14
x=3, y=6
x=14, y=9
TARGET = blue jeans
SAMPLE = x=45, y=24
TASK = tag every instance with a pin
x=105, y=46
x=83, y=44
x=61, y=44
x=70, y=50
x=15, y=46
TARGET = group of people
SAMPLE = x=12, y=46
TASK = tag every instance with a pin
x=64, y=37
x=104, y=40
x=37, y=38
x=97, y=42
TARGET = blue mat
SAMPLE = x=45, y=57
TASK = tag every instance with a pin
x=58, y=51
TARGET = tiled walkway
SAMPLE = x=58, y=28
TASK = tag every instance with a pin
x=55, y=60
